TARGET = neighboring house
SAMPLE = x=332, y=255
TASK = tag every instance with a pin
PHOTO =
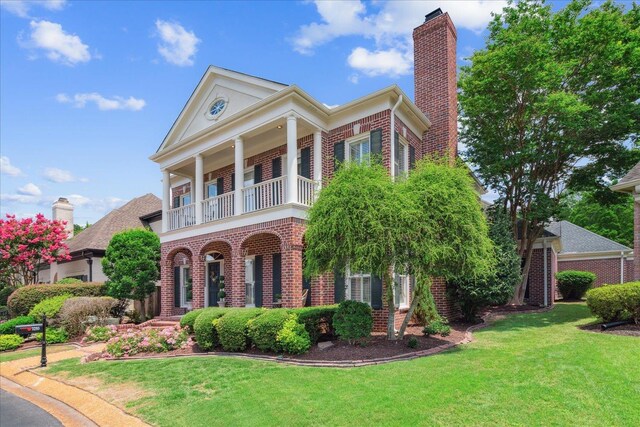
x=244, y=159
x=585, y=250
x=541, y=285
x=630, y=183
x=88, y=247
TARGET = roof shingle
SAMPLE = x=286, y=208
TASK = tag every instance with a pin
x=576, y=239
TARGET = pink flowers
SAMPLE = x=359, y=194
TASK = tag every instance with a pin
x=148, y=341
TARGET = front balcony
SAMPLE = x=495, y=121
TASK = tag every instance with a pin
x=257, y=197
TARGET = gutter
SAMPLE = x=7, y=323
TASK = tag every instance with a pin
x=393, y=134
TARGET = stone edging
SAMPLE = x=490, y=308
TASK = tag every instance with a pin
x=487, y=319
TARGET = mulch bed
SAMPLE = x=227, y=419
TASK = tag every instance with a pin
x=628, y=329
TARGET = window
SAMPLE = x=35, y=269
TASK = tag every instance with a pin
x=284, y=163
x=359, y=150
x=401, y=160
x=211, y=189
x=187, y=288
x=216, y=108
x=185, y=199
x=249, y=282
x=401, y=290
x=249, y=194
x=248, y=178
x=358, y=287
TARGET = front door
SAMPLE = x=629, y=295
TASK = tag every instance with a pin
x=214, y=272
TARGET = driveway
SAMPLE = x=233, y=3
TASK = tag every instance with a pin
x=17, y=412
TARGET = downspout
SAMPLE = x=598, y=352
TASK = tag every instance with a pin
x=546, y=280
x=621, y=266
x=393, y=134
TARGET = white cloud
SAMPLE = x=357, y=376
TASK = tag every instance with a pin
x=58, y=45
x=21, y=8
x=60, y=176
x=20, y=198
x=103, y=205
x=30, y=189
x=390, y=27
x=178, y=45
x=7, y=168
x=80, y=100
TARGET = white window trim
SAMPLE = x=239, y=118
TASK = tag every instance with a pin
x=252, y=257
x=183, y=291
x=213, y=182
x=402, y=141
x=406, y=284
x=283, y=162
x=208, y=114
x=182, y=196
x=356, y=138
x=347, y=284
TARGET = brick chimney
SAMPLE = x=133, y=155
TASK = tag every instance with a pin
x=62, y=210
x=434, y=51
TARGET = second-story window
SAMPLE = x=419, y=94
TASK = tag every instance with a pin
x=212, y=189
x=360, y=150
x=185, y=199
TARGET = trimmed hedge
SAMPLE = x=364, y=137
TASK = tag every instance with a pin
x=232, y=328
x=76, y=310
x=263, y=330
x=25, y=298
x=204, y=329
x=54, y=336
x=9, y=327
x=50, y=306
x=4, y=294
x=188, y=320
x=318, y=321
x=10, y=342
x=293, y=338
x=573, y=284
x=615, y=302
x=353, y=321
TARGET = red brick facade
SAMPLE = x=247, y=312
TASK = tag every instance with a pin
x=536, y=283
x=607, y=270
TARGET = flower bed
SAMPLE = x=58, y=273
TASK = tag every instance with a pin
x=150, y=340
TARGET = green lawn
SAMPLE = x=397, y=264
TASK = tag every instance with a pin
x=534, y=369
x=22, y=354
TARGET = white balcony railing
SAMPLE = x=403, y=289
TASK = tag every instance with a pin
x=264, y=195
x=218, y=207
x=306, y=190
x=184, y=216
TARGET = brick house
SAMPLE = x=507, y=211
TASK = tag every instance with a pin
x=244, y=159
x=630, y=183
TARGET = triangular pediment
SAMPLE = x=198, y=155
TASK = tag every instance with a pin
x=220, y=94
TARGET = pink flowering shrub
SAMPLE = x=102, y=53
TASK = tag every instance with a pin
x=100, y=333
x=149, y=340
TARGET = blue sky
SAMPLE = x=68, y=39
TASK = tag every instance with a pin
x=89, y=89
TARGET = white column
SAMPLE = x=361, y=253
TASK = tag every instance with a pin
x=199, y=190
x=292, y=160
x=239, y=170
x=317, y=158
x=166, y=200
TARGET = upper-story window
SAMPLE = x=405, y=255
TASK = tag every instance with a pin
x=185, y=199
x=401, y=161
x=216, y=108
x=211, y=189
x=360, y=149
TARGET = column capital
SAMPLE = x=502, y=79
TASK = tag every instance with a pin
x=292, y=116
x=198, y=156
x=238, y=139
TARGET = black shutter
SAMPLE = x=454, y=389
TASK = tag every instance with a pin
x=396, y=151
x=258, y=280
x=233, y=182
x=220, y=185
x=176, y=286
x=338, y=154
x=277, y=276
x=305, y=162
x=412, y=157
x=376, y=292
x=376, y=145
x=176, y=202
x=338, y=287
x=276, y=167
x=257, y=174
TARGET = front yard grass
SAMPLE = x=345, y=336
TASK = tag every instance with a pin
x=36, y=351
x=529, y=369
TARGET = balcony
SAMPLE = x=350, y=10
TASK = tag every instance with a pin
x=265, y=195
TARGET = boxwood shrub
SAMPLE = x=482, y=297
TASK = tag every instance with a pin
x=25, y=298
x=205, y=332
x=293, y=338
x=9, y=327
x=4, y=294
x=353, y=321
x=188, y=320
x=318, y=321
x=263, y=330
x=615, y=302
x=573, y=284
x=232, y=328
x=50, y=306
x=54, y=336
x=10, y=342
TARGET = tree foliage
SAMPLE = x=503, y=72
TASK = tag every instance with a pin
x=28, y=243
x=547, y=91
x=132, y=264
x=497, y=287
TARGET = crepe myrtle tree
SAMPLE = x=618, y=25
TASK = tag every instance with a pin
x=132, y=265
x=549, y=91
x=27, y=244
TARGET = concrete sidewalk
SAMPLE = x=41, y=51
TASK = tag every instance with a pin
x=71, y=405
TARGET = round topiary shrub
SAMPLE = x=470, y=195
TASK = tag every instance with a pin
x=574, y=284
x=188, y=320
x=353, y=321
x=9, y=327
x=263, y=330
x=232, y=328
x=10, y=342
x=293, y=338
x=203, y=327
x=50, y=306
x=615, y=302
x=318, y=321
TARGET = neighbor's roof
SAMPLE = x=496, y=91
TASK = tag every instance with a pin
x=628, y=181
x=98, y=235
x=576, y=239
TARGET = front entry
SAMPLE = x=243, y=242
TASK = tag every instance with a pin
x=214, y=274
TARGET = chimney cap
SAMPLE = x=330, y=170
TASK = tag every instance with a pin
x=63, y=200
x=431, y=15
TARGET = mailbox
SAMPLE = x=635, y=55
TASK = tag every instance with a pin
x=29, y=329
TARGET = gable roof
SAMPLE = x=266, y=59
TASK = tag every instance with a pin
x=629, y=181
x=576, y=239
x=98, y=235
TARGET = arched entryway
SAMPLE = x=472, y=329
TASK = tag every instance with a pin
x=177, y=286
x=216, y=257
x=261, y=270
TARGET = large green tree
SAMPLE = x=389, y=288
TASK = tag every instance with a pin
x=132, y=264
x=551, y=103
